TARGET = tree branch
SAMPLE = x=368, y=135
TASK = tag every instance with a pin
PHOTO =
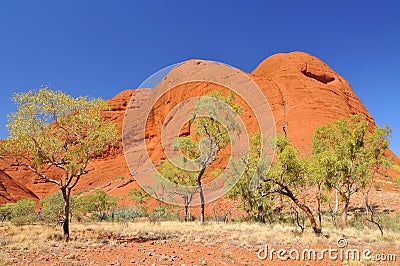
x=32, y=169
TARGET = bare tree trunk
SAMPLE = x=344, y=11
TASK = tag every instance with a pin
x=345, y=212
x=319, y=205
x=309, y=214
x=201, y=193
x=336, y=201
x=187, y=218
x=66, y=195
x=201, y=201
x=369, y=211
x=317, y=230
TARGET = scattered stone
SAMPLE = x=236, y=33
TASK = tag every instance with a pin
x=163, y=257
x=70, y=256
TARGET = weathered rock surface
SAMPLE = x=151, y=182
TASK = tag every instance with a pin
x=11, y=191
x=303, y=92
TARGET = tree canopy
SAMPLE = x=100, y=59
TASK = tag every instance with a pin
x=53, y=130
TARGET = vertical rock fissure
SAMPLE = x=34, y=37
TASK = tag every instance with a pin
x=283, y=103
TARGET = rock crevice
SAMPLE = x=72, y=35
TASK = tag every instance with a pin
x=321, y=77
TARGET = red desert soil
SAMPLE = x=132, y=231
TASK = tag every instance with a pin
x=143, y=244
x=303, y=92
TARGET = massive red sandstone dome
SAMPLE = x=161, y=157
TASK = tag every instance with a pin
x=303, y=92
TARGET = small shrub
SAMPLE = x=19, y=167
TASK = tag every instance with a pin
x=140, y=197
x=53, y=206
x=358, y=221
x=6, y=211
x=125, y=215
x=23, y=220
x=100, y=205
x=391, y=222
x=23, y=207
x=162, y=213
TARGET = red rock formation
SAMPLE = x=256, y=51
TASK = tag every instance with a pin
x=303, y=92
x=11, y=191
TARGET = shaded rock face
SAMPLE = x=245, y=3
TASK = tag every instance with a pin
x=11, y=191
x=303, y=93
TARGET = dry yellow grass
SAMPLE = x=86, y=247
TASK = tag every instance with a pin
x=42, y=237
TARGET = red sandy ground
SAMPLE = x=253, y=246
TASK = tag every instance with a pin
x=168, y=252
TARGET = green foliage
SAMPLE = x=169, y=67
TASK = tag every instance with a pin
x=211, y=107
x=161, y=213
x=53, y=206
x=24, y=207
x=6, y=211
x=209, y=110
x=53, y=130
x=251, y=200
x=19, y=213
x=390, y=221
x=126, y=214
x=140, y=197
x=186, y=181
x=178, y=175
x=287, y=177
x=397, y=169
x=288, y=169
x=100, y=204
x=23, y=220
x=214, y=136
x=348, y=157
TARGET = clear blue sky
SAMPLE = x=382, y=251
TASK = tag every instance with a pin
x=99, y=48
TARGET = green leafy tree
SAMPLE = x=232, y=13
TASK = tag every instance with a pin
x=288, y=177
x=349, y=157
x=316, y=178
x=23, y=212
x=6, y=211
x=24, y=207
x=184, y=178
x=139, y=196
x=53, y=130
x=214, y=136
x=52, y=206
x=99, y=204
x=251, y=200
